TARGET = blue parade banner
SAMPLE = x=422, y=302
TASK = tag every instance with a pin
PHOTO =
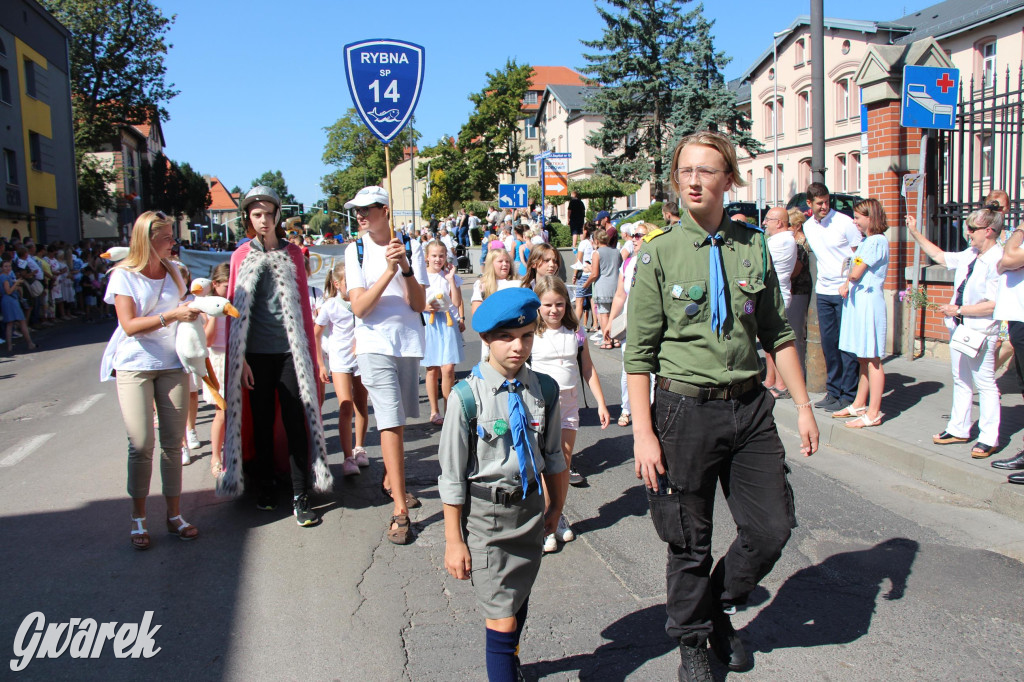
x=385, y=78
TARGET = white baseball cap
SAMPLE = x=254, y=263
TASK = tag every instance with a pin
x=369, y=196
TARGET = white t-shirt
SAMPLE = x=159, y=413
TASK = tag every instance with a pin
x=832, y=241
x=782, y=246
x=392, y=327
x=478, y=290
x=982, y=286
x=153, y=350
x=628, y=268
x=554, y=354
x=439, y=285
x=586, y=247
x=336, y=316
x=1010, y=299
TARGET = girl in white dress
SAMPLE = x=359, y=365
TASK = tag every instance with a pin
x=554, y=353
x=336, y=318
x=444, y=326
x=216, y=329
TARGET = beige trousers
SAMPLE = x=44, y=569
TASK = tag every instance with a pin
x=138, y=392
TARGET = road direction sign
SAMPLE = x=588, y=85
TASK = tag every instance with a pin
x=513, y=196
x=552, y=155
x=385, y=78
x=930, y=95
x=556, y=176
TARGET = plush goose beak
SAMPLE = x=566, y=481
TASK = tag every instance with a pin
x=230, y=310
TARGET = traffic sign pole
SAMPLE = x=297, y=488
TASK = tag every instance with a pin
x=915, y=280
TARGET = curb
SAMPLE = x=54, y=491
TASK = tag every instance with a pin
x=950, y=474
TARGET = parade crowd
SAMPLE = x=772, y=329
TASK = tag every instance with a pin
x=705, y=296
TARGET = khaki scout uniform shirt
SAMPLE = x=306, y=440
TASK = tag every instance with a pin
x=496, y=461
x=670, y=337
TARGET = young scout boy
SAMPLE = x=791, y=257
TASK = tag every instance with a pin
x=494, y=508
x=703, y=295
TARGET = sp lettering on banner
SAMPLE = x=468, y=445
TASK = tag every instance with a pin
x=384, y=78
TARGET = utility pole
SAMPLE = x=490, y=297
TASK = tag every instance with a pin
x=817, y=91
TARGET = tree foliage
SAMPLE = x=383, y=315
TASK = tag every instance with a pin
x=275, y=181
x=662, y=80
x=175, y=189
x=358, y=157
x=94, y=180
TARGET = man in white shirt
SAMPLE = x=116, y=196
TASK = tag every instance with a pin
x=387, y=279
x=832, y=236
x=1010, y=307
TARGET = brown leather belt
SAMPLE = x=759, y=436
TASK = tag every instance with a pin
x=707, y=392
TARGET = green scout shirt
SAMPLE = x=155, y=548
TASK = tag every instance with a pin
x=673, y=273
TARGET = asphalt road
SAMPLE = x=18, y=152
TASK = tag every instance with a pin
x=885, y=578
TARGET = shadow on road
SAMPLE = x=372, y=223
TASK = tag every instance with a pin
x=832, y=602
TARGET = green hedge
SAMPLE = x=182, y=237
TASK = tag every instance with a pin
x=559, y=236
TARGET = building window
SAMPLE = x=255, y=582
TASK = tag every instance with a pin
x=11, y=167
x=750, y=185
x=30, y=78
x=531, y=130
x=530, y=97
x=840, y=182
x=854, y=171
x=988, y=64
x=769, y=119
x=800, y=48
x=986, y=157
x=843, y=99
x=771, y=74
x=35, y=151
x=3, y=48
x=804, y=109
x=804, y=177
x=631, y=200
x=845, y=49
x=5, y=85
x=531, y=167
x=780, y=179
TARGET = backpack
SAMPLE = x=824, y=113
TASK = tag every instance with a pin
x=548, y=390
x=405, y=240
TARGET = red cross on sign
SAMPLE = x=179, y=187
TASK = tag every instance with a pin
x=945, y=83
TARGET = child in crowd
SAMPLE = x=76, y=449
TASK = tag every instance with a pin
x=554, y=353
x=497, y=274
x=584, y=256
x=90, y=292
x=500, y=435
x=336, y=323
x=544, y=260
x=443, y=320
x=604, y=270
x=521, y=249
x=216, y=339
x=10, y=305
x=862, y=331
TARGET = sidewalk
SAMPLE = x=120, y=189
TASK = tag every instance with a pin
x=916, y=405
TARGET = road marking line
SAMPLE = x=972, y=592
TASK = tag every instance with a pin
x=24, y=449
x=83, y=404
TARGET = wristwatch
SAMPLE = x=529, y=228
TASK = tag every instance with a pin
x=407, y=273
x=959, y=311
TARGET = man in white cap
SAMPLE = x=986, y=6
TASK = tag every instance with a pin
x=387, y=280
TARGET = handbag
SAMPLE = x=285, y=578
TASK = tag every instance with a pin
x=967, y=341
x=35, y=288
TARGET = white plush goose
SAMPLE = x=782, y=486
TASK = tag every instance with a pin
x=190, y=339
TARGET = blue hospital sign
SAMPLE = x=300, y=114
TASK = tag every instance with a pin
x=385, y=78
x=930, y=95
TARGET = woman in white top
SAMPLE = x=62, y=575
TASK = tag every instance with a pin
x=146, y=291
x=975, y=287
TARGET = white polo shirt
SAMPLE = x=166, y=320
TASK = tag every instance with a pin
x=832, y=240
x=982, y=286
x=392, y=327
x=782, y=246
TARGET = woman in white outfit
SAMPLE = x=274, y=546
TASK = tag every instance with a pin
x=975, y=286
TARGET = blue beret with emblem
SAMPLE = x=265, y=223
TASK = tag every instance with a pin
x=506, y=309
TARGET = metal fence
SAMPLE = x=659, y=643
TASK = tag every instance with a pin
x=983, y=153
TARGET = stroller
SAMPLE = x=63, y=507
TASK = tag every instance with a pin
x=463, y=263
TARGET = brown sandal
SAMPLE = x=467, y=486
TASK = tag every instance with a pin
x=402, y=535
x=182, y=528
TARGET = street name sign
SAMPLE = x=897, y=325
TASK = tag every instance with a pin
x=930, y=95
x=513, y=196
x=385, y=78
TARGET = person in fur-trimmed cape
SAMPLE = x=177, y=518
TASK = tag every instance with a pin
x=270, y=364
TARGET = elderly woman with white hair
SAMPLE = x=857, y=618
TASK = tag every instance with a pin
x=969, y=317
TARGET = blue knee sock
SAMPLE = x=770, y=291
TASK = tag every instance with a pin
x=501, y=656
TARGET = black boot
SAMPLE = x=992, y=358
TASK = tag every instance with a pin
x=1015, y=463
x=726, y=643
x=694, y=666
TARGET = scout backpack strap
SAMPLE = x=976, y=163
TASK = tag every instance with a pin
x=548, y=390
x=405, y=240
x=467, y=399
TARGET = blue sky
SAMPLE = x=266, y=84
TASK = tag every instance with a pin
x=259, y=80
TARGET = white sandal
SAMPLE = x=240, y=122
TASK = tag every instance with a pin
x=851, y=411
x=141, y=532
x=181, y=528
x=864, y=421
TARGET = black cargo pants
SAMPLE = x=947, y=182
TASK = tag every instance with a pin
x=734, y=442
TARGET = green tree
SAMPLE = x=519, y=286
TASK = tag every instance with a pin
x=275, y=181
x=662, y=80
x=358, y=156
x=175, y=188
x=94, y=180
x=236, y=190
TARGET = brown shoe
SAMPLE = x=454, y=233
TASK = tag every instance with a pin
x=945, y=438
x=981, y=451
x=402, y=533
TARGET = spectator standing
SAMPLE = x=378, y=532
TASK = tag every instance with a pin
x=832, y=236
x=10, y=306
x=783, y=249
x=864, y=315
x=605, y=267
x=975, y=287
x=577, y=216
x=800, y=285
x=1010, y=308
